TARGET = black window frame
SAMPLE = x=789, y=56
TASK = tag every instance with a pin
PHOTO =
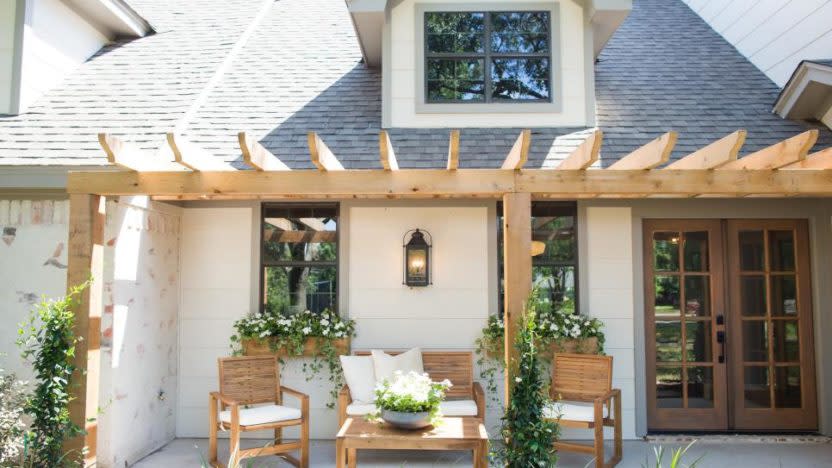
x=486, y=56
x=541, y=208
x=264, y=262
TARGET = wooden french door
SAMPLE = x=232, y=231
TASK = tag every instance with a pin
x=728, y=326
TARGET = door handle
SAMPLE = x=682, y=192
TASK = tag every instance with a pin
x=720, y=338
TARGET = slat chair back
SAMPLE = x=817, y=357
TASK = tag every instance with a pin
x=456, y=366
x=580, y=376
x=250, y=379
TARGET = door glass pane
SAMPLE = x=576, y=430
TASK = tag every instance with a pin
x=786, y=344
x=666, y=251
x=787, y=387
x=698, y=341
x=299, y=238
x=696, y=251
x=783, y=295
x=756, y=387
x=556, y=285
x=296, y=289
x=751, y=251
x=755, y=341
x=667, y=295
x=781, y=250
x=753, y=295
x=668, y=341
x=669, y=387
x=700, y=387
x=697, y=296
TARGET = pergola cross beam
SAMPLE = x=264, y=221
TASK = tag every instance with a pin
x=322, y=157
x=257, y=156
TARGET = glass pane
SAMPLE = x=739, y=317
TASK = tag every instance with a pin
x=700, y=387
x=696, y=251
x=783, y=295
x=456, y=80
x=299, y=239
x=781, y=250
x=520, y=32
x=520, y=79
x=455, y=32
x=556, y=285
x=697, y=296
x=666, y=251
x=558, y=233
x=787, y=387
x=756, y=387
x=751, y=251
x=295, y=289
x=786, y=341
x=668, y=341
x=755, y=341
x=669, y=387
x=753, y=295
x=667, y=295
x=698, y=341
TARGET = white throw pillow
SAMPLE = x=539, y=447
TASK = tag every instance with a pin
x=385, y=365
x=358, y=372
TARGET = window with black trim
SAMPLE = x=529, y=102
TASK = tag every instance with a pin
x=555, y=270
x=299, y=258
x=488, y=57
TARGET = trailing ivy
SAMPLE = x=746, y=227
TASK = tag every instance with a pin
x=48, y=341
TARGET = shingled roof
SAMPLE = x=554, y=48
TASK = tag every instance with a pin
x=278, y=69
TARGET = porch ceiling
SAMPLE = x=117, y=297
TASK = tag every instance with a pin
x=183, y=171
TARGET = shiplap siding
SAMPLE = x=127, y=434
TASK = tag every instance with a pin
x=774, y=34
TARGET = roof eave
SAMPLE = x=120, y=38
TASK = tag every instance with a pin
x=794, y=101
x=116, y=18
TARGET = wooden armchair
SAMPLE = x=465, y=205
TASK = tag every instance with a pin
x=465, y=398
x=582, y=388
x=255, y=380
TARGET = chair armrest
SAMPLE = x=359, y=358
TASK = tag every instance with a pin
x=294, y=393
x=217, y=396
x=479, y=398
x=615, y=392
x=344, y=394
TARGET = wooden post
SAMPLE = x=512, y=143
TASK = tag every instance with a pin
x=86, y=260
x=517, y=272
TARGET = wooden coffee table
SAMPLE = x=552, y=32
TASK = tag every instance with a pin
x=453, y=434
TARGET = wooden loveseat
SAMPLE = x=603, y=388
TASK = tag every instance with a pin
x=456, y=366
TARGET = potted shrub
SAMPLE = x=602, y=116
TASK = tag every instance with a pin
x=410, y=401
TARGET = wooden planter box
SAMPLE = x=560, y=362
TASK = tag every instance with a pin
x=577, y=345
x=311, y=347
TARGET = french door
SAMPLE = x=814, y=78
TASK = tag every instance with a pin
x=729, y=325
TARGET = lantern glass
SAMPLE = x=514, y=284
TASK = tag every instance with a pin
x=417, y=260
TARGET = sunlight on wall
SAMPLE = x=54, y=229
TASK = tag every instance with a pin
x=128, y=246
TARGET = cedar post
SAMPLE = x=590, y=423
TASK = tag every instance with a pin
x=86, y=261
x=517, y=272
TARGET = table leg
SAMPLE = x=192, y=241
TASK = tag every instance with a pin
x=339, y=453
x=352, y=457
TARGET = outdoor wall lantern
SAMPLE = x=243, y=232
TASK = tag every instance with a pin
x=417, y=258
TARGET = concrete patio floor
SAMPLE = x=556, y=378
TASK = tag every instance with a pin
x=733, y=454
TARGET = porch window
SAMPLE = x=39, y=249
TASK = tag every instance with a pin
x=299, y=257
x=488, y=56
x=555, y=271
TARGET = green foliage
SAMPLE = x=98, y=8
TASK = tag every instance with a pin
x=675, y=458
x=48, y=341
x=529, y=438
x=12, y=428
x=411, y=393
x=290, y=332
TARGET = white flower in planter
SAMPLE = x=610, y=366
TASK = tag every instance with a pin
x=307, y=330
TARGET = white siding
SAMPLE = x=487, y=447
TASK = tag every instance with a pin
x=774, y=34
x=8, y=16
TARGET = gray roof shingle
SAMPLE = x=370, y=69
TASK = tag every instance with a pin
x=300, y=69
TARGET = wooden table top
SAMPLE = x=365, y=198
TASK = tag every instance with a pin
x=449, y=429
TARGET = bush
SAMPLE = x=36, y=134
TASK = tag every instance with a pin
x=529, y=438
x=48, y=341
x=12, y=428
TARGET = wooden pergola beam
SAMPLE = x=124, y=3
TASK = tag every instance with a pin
x=386, y=153
x=464, y=183
x=651, y=155
x=716, y=154
x=128, y=156
x=322, y=157
x=519, y=153
x=517, y=271
x=193, y=156
x=584, y=155
x=257, y=156
x=777, y=155
x=815, y=161
x=453, y=151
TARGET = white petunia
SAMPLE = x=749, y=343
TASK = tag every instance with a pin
x=306, y=330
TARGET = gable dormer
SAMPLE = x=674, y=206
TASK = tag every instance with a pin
x=486, y=63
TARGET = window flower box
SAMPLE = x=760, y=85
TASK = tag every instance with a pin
x=312, y=346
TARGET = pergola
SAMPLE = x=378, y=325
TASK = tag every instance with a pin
x=181, y=170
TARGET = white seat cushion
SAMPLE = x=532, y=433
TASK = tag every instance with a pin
x=262, y=415
x=360, y=377
x=572, y=411
x=448, y=408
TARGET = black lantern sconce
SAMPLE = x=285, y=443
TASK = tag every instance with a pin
x=417, y=258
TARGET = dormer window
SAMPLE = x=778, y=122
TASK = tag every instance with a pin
x=488, y=57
